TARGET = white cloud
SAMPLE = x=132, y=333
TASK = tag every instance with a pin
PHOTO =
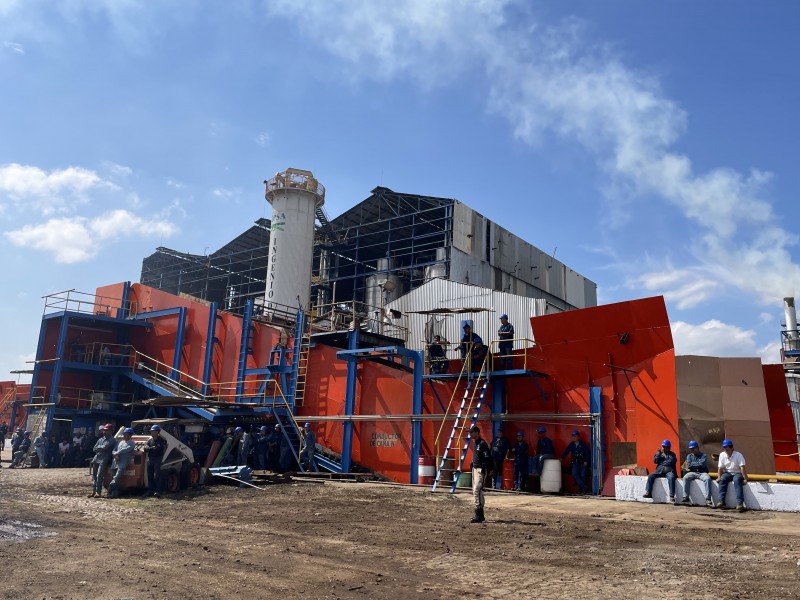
x=227, y=194
x=50, y=192
x=547, y=80
x=713, y=338
x=262, y=139
x=685, y=288
x=765, y=318
x=78, y=239
x=173, y=183
x=14, y=47
x=771, y=353
x=118, y=170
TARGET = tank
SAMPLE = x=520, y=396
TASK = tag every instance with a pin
x=294, y=195
x=440, y=268
x=792, y=341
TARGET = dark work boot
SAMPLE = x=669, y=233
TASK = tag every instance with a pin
x=477, y=517
x=480, y=515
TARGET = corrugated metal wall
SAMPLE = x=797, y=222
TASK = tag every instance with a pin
x=442, y=293
x=485, y=254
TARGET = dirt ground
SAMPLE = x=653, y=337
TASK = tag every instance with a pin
x=313, y=539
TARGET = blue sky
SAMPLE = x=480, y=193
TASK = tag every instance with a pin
x=653, y=146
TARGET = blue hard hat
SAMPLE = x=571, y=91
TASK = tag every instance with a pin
x=26, y=433
x=726, y=443
x=155, y=428
x=264, y=428
x=237, y=430
x=500, y=427
x=128, y=430
x=693, y=444
x=504, y=316
x=542, y=430
x=307, y=425
x=666, y=443
x=575, y=432
x=520, y=433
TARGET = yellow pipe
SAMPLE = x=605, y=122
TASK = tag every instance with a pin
x=778, y=478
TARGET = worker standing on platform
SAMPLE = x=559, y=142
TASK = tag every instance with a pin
x=308, y=448
x=580, y=460
x=520, y=452
x=154, y=448
x=500, y=449
x=469, y=343
x=506, y=346
x=102, y=459
x=481, y=465
x=122, y=456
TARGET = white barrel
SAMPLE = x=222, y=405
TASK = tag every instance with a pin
x=295, y=195
x=550, y=480
x=426, y=470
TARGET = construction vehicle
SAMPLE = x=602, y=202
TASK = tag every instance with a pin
x=178, y=467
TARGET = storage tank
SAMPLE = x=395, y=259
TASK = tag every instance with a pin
x=294, y=195
x=440, y=268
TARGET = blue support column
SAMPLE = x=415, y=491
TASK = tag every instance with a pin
x=498, y=401
x=416, y=410
x=124, y=310
x=598, y=453
x=349, y=404
x=208, y=359
x=57, y=369
x=176, y=359
x=247, y=323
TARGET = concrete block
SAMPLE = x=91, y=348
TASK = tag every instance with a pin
x=780, y=497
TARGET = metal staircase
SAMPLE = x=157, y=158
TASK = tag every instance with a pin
x=7, y=401
x=324, y=223
x=35, y=429
x=300, y=354
x=466, y=417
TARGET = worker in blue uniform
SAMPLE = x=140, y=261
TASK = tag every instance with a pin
x=506, y=345
x=520, y=453
x=154, y=448
x=666, y=464
x=102, y=448
x=544, y=450
x=19, y=448
x=261, y=445
x=122, y=457
x=697, y=468
x=500, y=449
x=580, y=460
x=309, y=447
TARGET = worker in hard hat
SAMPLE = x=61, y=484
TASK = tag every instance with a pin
x=242, y=440
x=500, y=449
x=481, y=466
x=102, y=449
x=696, y=468
x=731, y=468
x=154, y=448
x=580, y=460
x=122, y=456
x=308, y=448
x=261, y=447
x=666, y=462
x=544, y=450
x=274, y=448
x=505, y=334
x=520, y=453
x=19, y=448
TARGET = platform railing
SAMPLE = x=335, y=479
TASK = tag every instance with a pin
x=85, y=303
x=353, y=314
x=91, y=399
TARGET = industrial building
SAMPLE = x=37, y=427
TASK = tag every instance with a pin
x=302, y=318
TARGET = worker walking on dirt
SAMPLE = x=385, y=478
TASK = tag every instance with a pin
x=580, y=460
x=696, y=468
x=520, y=451
x=102, y=459
x=481, y=465
x=309, y=447
x=500, y=449
x=154, y=448
x=122, y=455
x=731, y=468
x=274, y=448
x=666, y=462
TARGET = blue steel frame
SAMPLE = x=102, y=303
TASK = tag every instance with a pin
x=211, y=340
x=598, y=452
x=244, y=347
x=353, y=355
